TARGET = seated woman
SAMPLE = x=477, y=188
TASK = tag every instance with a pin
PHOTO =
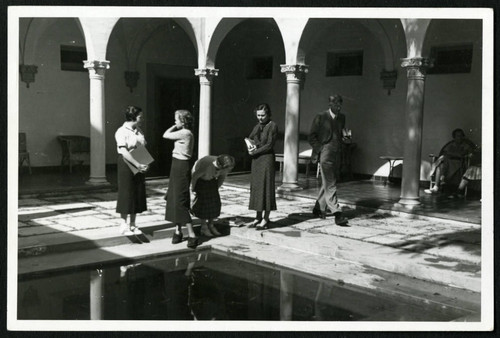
x=451, y=160
x=473, y=173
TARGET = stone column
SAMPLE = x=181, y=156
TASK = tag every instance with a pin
x=416, y=68
x=206, y=76
x=97, y=122
x=294, y=76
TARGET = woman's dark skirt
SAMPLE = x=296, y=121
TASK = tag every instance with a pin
x=178, y=199
x=131, y=190
x=262, y=186
x=207, y=203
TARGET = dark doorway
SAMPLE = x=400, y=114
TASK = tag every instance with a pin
x=170, y=94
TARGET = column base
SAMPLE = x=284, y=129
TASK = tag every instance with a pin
x=409, y=202
x=97, y=181
x=289, y=187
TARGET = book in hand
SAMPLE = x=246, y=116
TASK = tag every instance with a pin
x=250, y=143
x=141, y=155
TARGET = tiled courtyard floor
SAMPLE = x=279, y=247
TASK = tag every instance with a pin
x=440, y=249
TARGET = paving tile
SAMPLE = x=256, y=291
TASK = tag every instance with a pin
x=461, y=252
x=31, y=202
x=141, y=218
x=104, y=216
x=88, y=222
x=22, y=224
x=354, y=232
x=41, y=230
x=37, y=222
x=386, y=239
x=70, y=206
x=34, y=210
x=105, y=204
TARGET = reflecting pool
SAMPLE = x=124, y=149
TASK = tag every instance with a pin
x=207, y=285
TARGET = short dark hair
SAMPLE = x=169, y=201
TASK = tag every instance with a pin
x=186, y=118
x=336, y=98
x=458, y=130
x=225, y=161
x=263, y=106
x=131, y=113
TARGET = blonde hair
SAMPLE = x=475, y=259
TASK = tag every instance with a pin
x=186, y=118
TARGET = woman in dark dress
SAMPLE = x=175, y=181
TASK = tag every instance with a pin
x=178, y=198
x=209, y=172
x=131, y=188
x=262, y=186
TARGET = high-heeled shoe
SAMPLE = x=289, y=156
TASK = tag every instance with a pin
x=263, y=225
x=214, y=231
x=125, y=230
x=254, y=223
x=135, y=229
x=206, y=232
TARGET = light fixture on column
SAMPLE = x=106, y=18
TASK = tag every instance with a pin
x=389, y=79
x=131, y=79
x=28, y=73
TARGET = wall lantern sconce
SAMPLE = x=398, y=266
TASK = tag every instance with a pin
x=28, y=73
x=131, y=79
x=389, y=79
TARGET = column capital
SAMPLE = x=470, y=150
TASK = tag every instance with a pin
x=206, y=75
x=96, y=68
x=294, y=72
x=416, y=67
x=96, y=64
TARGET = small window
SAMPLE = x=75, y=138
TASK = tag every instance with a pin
x=260, y=68
x=344, y=63
x=72, y=58
x=451, y=59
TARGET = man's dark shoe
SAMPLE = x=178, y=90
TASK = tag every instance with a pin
x=341, y=220
x=319, y=213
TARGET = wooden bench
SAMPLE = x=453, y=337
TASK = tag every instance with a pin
x=73, y=148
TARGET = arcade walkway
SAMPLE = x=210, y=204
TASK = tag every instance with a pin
x=363, y=193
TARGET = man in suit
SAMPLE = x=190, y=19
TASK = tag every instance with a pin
x=325, y=138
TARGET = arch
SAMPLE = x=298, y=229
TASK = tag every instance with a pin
x=373, y=26
x=415, y=32
x=223, y=27
x=378, y=30
x=29, y=39
x=97, y=32
x=134, y=33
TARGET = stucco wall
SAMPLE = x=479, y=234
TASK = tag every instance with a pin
x=453, y=100
x=58, y=101
x=235, y=96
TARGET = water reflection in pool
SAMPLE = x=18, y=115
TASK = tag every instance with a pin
x=209, y=286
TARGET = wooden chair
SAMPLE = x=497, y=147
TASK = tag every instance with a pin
x=24, y=155
x=73, y=147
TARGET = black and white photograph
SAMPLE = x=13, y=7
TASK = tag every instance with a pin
x=250, y=168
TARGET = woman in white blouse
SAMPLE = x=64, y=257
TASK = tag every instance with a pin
x=178, y=198
x=131, y=188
